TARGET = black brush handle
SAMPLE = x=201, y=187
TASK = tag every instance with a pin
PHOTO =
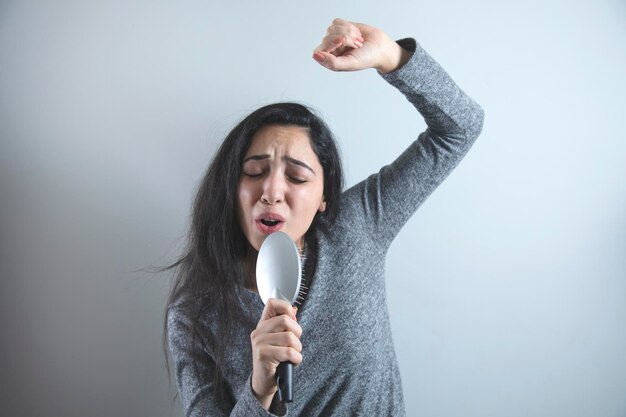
x=284, y=382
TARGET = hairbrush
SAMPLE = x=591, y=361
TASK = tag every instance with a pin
x=279, y=275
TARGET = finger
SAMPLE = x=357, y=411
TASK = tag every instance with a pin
x=330, y=43
x=336, y=63
x=279, y=324
x=276, y=307
x=351, y=31
x=341, y=24
x=277, y=354
x=340, y=39
x=284, y=339
x=325, y=59
x=333, y=58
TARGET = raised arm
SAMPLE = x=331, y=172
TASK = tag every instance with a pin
x=380, y=205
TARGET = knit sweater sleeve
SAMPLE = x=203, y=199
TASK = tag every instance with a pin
x=194, y=370
x=381, y=204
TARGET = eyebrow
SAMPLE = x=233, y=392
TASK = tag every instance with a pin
x=285, y=158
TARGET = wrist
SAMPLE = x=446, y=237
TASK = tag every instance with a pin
x=265, y=402
x=396, y=57
x=264, y=399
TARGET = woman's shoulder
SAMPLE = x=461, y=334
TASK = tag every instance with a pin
x=184, y=313
x=349, y=228
x=188, y=318
x=178, y=316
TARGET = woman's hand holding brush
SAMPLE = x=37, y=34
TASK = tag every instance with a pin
x=276, y=339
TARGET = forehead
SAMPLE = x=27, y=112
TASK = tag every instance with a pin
x=291, y=140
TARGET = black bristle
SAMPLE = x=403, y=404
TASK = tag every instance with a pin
x=303, y=288
x=307, y=273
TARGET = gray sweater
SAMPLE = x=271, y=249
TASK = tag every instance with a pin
x=349, y=364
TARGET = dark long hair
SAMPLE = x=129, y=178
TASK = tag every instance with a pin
x=210, y=273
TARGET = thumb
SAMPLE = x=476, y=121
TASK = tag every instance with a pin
x=276, y=307
x=332, y=62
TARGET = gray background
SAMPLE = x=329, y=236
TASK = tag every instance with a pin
x=507, y=290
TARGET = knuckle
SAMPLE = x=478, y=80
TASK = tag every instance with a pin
x=294, y=356
x=295, y=342
x=284, y=320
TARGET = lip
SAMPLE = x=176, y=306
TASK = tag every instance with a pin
x=267, y=230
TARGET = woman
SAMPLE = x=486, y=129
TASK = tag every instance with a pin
x=279, y=169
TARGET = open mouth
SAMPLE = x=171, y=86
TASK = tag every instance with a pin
x=269, y=222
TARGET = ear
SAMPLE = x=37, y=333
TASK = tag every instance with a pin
x=322, y=207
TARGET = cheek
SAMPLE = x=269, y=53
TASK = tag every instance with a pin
x=244, y=197
x=309, y=201
x=245, y=194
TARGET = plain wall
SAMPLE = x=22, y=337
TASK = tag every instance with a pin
x=507, y=289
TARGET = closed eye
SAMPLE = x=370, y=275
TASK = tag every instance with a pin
x=297, y=180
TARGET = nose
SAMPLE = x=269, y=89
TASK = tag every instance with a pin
x=274, y=188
